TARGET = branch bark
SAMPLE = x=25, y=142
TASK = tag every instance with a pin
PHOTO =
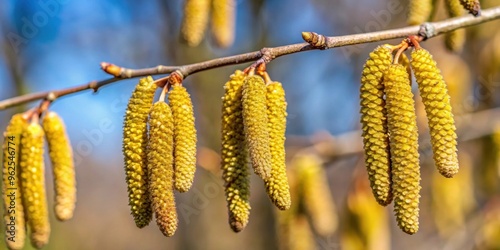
x=427, y=30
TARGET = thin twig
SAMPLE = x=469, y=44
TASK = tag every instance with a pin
x=266, y=55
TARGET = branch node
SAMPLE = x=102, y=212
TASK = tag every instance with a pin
x=426, y=31
x=51, y=96
x=316, y=40
x=175, y=78
x=93, y=85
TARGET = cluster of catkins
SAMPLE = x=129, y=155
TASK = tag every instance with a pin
x=254, y=124
x=195, y=20
x=421, y=11
x=390, y=135
x=161, y=160
x=24, y=193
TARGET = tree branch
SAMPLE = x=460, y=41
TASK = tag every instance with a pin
x=427, y=30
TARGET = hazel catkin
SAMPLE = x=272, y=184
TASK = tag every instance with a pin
x=402, y=127
x=255, y=123
x=419, y=11
x=61, y=157
x=234, y=161
x=374, y=124
x=135, y=141
x=33, y=184
x=161, y=168
x=223, y=22
x=194, y=21
x=438, y=109
x=184, y=138
x=277, y=184
x=12, y=195
x=454, y=40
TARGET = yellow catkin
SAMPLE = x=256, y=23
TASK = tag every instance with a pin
x=315, y=194
x=12, y=196
x=184, y=138
x=454, y=40
x=61, y=157
x=234, y=161
x=438, y=109
x=223, y=22
x=33, y=184
x=402, y=126
x=374, y=123
x=195, y=21
x=135, y=141
x=255, y=121
x=472, y=6
x=405, y=61
x=419, y=11
x=277, y=185
x=161, y=168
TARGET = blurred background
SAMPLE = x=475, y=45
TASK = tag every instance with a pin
x=54, y=44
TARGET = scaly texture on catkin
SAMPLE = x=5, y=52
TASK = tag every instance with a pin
x=473, y=6
x=234, y=161
x=33, y=184
x=161, y=167
x=402, y=126
x=255, y=121
x=437, y=105
x=184, y=138
x=419, y=11
x=277, y=184
x=405, y=61
x=374, y=124
x=61, y=157
x=11, y=174
x=454, y=40
x=195, y=21
x=135, y=142
x=223, y=22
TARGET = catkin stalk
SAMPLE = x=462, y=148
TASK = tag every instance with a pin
x=161, y=168
x=135, y=141
x=184, y=138
x=234, y=161
x=402, y=126
x=61, y=156
x=33, y=185
x=12, y=196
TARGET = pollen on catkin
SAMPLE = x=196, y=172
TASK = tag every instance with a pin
x=419, y=11
x=438, y=109
x=454, y=40
x=161, y=168
x=234, y=161
x=61, y=157
x=223, y=22
x=277, y=184
x=402, y=127
x=33, y=184
x=11, y=168
x=255, y=122
x=195, y=21
x=184, y=138
x=374, y=124
x=135, y=142
x=472, y=6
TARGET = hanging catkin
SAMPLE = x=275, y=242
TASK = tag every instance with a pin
x=135, y=141
x=234, y=162
x=195, y=21
x=374, y=123
x=419, y=11
x=161, y=168
x=277, y=184
x=33, y=185
x=61, y=157
x=12, y=196
x=402, y=127
x=454, y=40
x=438, y=109
x=255, y=121
x=184, y=138
x=223, y=22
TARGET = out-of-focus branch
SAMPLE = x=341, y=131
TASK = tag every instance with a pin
x=265, y=55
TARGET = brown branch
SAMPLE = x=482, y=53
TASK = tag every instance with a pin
x=266, y=55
